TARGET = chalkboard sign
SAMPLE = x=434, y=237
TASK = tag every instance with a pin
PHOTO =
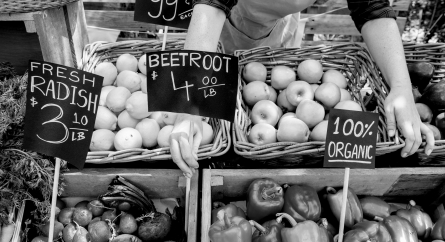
x=61, y=110
x=174, y=13
x=351, y=139
x=194, y=82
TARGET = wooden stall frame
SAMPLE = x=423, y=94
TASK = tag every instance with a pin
x=156, y=183
x=390, y=183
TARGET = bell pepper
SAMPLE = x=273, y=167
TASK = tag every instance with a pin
x=234, y=229
x=400, y=229
x=368, y=231
x=307, y=231
x=264, y=199
x=354, y=212
x=438, y=232
x=325, y=230
x=230, y=209
x=419, y=220
x=397, y=206
x=269, y=231
x=374, y=206
x=302, y=203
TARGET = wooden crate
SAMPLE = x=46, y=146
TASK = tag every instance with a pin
x=424, y=185
x=159, y=183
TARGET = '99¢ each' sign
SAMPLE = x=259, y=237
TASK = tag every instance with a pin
x=351, y=139
x=193, y=82
x=174, y=13
x=61, y=110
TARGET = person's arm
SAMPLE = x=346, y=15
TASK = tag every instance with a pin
x=203, y=35
x=385, y=45
x=376, y=21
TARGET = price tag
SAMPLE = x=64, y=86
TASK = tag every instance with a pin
x=174, y=13
x=61, y=110
x=351, y=139
x=194, y=82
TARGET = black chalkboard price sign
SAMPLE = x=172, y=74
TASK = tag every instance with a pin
x=194, y=82
x=174, y=13
x=351, y=139
x=61, y=110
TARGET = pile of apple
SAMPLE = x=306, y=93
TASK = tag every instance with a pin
x=123, y=120
x=293, y=109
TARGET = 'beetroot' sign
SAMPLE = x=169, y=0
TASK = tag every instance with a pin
x=194, y=82
x=61, y=110
x=351, y=139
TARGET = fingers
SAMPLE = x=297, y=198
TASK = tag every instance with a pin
x=186, y=152
x=417, y=141
x=429, y=138
x=390, y=121
x=177, y=158
x=196, y=142
x=410, y=137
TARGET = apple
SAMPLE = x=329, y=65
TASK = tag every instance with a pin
x=169, y=118
x=310, y=112
x=255, y=91
x=349, y=105
x=293, y=130
x=282, y=76
x=436, y=131
x=334, y=76
x=273, y=94
x=207, y=134
x=142, y=65
x=265, y=111
x=158, y=117
x=283, y=103
x=254, y=71
x=425, y=112
x=163, y=138
x=262, y=133
x=345, y=95
x=149, y=129
x=314, y=87
x=310, y=71
x=320, y=131
x=298, y=91
x=286, y=115
x=328, y=94
x=440, y=121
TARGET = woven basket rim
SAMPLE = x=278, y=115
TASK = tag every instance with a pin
x=27, y=6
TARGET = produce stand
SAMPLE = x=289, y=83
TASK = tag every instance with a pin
x=61, y=28
x=424, y=185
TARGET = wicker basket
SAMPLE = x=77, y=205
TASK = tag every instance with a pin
x=25, y=6
x=352, y=60
x=98, y=52
x=435, y=54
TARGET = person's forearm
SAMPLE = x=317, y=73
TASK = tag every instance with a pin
x=205, y=28
x=385, y=45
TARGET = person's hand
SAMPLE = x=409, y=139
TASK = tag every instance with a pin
x=184, y=142
x=401, y=109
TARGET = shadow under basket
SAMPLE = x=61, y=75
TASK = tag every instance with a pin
x=352, y=60
x=99, y=52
